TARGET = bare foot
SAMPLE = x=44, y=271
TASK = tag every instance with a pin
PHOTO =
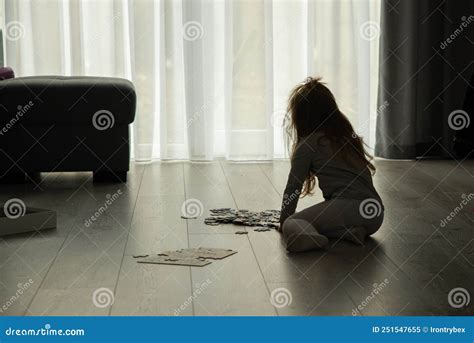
x=302, y=236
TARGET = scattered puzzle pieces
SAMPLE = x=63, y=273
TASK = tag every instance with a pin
x=195, y=257
x=265, y=219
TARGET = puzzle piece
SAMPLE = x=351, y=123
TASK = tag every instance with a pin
x=199, y=253
x=194, y=257
x=140, y=256
x=183, y=261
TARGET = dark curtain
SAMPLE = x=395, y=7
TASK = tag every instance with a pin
x=1, y=48
x=426, y=62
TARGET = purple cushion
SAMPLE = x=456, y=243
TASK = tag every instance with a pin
x=6, y=73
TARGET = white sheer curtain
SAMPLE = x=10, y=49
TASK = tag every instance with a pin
x=212, y=76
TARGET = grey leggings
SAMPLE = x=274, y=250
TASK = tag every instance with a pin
x=334, y=218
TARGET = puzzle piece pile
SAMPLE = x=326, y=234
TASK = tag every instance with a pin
x=195, y=257
x=265, y=219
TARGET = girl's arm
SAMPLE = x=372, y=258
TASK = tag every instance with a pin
x=300, y=168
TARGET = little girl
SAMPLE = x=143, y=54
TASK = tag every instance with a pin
x=324, y=145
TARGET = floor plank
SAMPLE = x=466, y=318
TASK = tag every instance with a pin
x=157, y=226
x=227, y=287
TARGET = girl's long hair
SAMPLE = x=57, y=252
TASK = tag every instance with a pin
x=312, y=109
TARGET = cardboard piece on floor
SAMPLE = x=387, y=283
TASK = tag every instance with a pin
x=180, y=261
x=200, y=253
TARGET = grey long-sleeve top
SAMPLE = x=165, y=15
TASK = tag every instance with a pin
x=336, y=177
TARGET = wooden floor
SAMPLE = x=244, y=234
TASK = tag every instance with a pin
x=408, y=268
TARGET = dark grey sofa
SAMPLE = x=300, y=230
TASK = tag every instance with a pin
x=53, y=123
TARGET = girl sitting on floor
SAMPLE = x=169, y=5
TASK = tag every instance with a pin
x=323, y=144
